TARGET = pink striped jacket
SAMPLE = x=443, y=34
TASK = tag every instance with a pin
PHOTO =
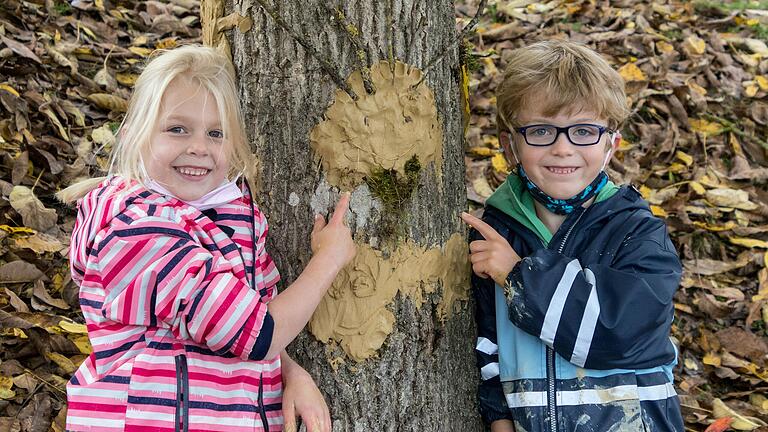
x=175, y=301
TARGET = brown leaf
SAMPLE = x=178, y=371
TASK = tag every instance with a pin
x=41, y=293
x=16, y=302
x=32, y=211
x=37, y=415
x=20, y=168
x=19, y=271
x=109, y=102
x=20, y=49
x=744, y=344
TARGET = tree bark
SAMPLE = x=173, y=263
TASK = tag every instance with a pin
x=423, y=378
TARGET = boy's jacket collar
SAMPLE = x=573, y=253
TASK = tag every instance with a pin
x=515, y=201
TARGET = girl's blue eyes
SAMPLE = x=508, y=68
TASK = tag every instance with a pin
x=216, y=133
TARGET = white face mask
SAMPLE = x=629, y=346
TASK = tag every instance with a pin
x=227, y=192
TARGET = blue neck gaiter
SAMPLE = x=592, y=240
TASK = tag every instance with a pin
x=563, y=206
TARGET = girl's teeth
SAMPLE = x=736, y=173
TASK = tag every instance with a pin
x=193, y=171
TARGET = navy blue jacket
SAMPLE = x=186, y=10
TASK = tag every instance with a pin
x=578, y=338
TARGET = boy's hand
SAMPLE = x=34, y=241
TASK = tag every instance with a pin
x=334, y=238
x=492, y=257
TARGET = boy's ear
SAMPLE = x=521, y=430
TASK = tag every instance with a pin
x=615, y=140
x=507, y=145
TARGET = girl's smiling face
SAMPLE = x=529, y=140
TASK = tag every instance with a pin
x=188, y=153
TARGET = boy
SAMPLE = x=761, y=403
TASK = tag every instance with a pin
x=573, y=275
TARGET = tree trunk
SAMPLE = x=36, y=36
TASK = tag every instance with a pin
x=421, y=375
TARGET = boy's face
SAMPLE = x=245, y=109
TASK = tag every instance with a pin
x=561, y=169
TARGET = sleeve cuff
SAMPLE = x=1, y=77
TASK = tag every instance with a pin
x=264, y=340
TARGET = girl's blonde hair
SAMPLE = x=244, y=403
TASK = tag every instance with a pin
x=208, y=67
x=557, y=76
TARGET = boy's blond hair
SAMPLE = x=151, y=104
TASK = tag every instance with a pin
x=205, y=66
x=559, y=76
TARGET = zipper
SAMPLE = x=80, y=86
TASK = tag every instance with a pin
x=551, y=375
x=262, y=410
x=551, y=394
x=182, y=394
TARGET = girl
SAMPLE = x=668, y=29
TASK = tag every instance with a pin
x=187, y=327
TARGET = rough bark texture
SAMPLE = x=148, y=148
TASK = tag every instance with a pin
x=424, y=378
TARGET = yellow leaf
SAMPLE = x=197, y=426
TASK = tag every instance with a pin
x=751, y=89
x=695, y=45
x=9, y=89
x=490, y=67
x=685, y=157
x=73, y=327
x=705, y=126
x=762, y=81
x=715, y=228
x=711, y=359
x=625, y=145
x=83, y=344
x=166, y=43
x=16, y=230
x=735, y=145
x=748, y=242
x=697, y=88
x=126, y=79
x=108, y=101
x=645, y=191
x=492, y=141
x=690, y=364
x=676, y=167
x=665, y=47
x=630, y=72
x=658, y=211
x=500, y=163
x=140, y=40
x=62, y=361
x=724, y=197
x=482, y=151
x=144, y=52
x=482, y=187
x=697, y=187
x=740, y=422
x=5, y=387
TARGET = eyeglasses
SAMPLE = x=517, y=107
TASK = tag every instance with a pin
x=583, y=134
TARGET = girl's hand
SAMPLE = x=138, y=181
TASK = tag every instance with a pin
x=302, y=398
x=334, y=240
x=492, y=257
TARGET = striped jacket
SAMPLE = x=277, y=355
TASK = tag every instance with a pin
x=578, y=338
x=175, y=302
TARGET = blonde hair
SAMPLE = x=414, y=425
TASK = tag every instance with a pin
x=208, y=67
x=558, y=76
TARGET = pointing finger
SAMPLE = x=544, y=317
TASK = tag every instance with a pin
x=483, y=228
x=341, y=209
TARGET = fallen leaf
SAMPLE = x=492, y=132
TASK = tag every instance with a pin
x=42, y=294
x=19, y=271
x=740, y=422
x=32, y=211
